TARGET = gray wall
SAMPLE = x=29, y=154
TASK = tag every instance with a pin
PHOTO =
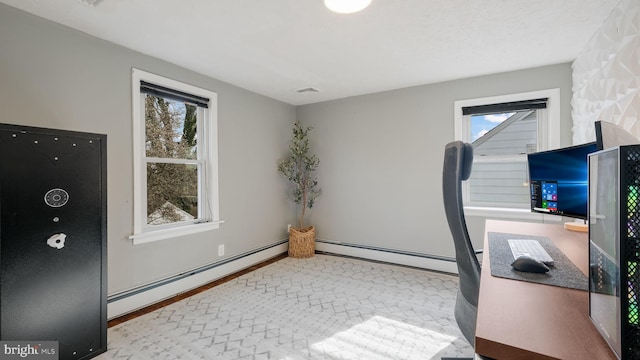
x=381, y=158
x=52, y=76
x=381, y=154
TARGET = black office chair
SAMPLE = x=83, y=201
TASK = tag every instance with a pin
x=458, y=157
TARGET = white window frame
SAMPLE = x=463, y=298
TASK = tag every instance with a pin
x=207, y=193
x=548, y=137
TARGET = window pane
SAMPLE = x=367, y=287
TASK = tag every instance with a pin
x=482, y=124
x=503, y=183
x=500, y=144
x=170, y=128
x=172, y=193
x=505, y=133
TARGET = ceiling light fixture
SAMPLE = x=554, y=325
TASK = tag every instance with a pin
x=92, y=2
x=306, y=91
x=346, y=6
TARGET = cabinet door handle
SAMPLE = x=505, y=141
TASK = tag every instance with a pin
x=57, y=240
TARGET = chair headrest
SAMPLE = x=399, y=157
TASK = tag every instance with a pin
x=462, y=159
x=466, y=152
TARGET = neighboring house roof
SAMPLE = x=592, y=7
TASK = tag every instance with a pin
x=496, y=130
x=516, y=135
x=155, y=218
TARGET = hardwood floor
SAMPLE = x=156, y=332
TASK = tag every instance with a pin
x=150, y=308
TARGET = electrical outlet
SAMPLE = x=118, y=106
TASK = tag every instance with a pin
x=221, y=250
x=288, y=228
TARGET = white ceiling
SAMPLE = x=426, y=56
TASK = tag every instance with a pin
x=275, y=47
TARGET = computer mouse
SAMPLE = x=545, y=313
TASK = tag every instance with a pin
x=529, y=264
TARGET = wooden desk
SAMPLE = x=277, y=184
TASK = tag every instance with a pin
x=524, y=320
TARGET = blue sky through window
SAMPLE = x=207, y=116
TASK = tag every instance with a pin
x=482, y=124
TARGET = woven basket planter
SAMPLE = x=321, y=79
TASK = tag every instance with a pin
x=302, y=242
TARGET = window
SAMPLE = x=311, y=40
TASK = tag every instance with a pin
x=503, y=130
x=175, y=158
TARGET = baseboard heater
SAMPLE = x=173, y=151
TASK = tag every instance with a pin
x=393, y=256
x=133, y=299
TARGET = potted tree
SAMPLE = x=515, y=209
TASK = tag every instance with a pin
x=298, y=168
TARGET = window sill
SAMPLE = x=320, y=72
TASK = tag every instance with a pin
x=170, y=233
x=510, y=213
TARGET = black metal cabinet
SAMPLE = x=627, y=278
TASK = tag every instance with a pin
x=53, y=239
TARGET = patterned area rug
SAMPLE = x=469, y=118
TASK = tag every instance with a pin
x=325, y=307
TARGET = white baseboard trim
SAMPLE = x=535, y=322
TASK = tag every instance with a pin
x=124, y=303
x=437, y=263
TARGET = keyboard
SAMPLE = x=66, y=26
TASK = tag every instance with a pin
x=531, y=248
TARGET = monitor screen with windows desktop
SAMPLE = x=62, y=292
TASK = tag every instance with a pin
x=558, y=180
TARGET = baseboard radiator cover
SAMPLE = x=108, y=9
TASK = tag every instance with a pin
x=399, y=257
x=134, y=299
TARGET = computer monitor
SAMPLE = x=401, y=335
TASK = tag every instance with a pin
x=610, y=135
x=558, y=180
